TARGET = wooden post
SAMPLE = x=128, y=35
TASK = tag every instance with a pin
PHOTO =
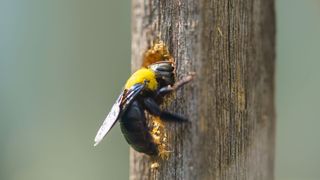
x=230, y=45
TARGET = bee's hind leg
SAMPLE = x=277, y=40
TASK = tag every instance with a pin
x=154, y=109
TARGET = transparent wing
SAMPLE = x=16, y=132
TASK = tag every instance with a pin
x=109, y=122
x=121, y=105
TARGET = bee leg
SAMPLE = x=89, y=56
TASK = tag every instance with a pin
x=167, y=89
x=153, y=108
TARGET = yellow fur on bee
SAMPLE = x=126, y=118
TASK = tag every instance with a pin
x=141, y=76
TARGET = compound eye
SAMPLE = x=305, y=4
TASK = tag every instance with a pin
x=164, y=71
x=165, y=67
x=168, y=80
x=165, y=77
x=162, y=67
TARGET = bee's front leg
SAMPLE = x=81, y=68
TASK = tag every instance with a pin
x=167, y=89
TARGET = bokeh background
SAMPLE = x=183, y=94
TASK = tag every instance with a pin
x=63, y=63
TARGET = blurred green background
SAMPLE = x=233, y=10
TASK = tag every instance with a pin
x=63, y=63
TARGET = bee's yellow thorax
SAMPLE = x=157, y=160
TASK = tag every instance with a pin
x=141, y=76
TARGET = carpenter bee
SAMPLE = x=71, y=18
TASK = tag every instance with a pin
x=144, y=91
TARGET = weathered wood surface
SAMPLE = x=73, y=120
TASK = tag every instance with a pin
x=230, y=45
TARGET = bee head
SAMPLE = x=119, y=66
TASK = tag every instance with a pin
x=164, y=72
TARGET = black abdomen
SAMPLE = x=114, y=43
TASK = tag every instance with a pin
x=135, y=130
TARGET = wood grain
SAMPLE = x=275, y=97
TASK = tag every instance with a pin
x=230, y=45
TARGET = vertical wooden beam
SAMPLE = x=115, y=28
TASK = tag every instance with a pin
x=230, y=45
